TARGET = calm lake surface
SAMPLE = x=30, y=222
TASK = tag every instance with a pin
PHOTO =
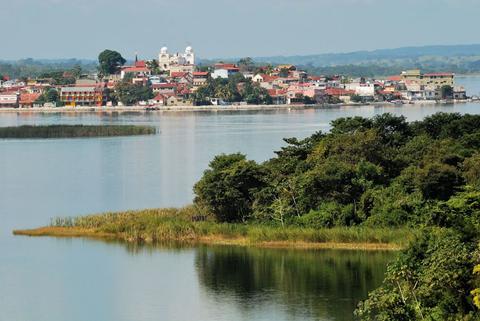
x=46, y=279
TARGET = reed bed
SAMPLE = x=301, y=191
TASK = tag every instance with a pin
x=73, y=131
x=184, y=224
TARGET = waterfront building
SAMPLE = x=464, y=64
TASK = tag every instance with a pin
x=459, y=93
x=224, y=70
x=361, y=89
x=27, y=100
x=200, y=78
x=9, y=99
x=138, y=71
x=438, y=79
x=83, y=96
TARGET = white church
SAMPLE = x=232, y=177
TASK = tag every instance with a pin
x=178, y=62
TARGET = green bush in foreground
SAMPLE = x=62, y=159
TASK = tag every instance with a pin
x=73, y=131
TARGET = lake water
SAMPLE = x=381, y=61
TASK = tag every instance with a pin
x=47, y=279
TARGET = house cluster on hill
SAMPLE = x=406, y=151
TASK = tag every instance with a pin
x=174, y=79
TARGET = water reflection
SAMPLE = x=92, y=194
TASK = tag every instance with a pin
x=307, y=285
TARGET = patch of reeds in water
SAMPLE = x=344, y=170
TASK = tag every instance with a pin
x=73, y=131
x=184, y=224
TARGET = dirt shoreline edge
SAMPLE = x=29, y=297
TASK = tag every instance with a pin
x=65, y=232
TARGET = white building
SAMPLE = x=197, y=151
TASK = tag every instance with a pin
x=224, y=70
x=361, y=89
x=166, y=60
x=9, y=99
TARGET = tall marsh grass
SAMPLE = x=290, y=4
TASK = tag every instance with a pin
x=184, y=224
x=72, y=131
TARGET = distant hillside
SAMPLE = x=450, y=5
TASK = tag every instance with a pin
x=460, y=59
x=359, y=57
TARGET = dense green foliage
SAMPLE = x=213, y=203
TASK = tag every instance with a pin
x=110, y=62
x=130, y=94
x=50, y=95
x=234, y=89
x=33, y=68
x=71, y=131
x=379, y=172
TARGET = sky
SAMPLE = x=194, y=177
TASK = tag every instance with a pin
x=229, y=28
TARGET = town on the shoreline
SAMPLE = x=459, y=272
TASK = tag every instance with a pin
x=177, y=80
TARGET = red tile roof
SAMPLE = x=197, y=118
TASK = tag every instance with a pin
x=166, y=85
x=277, y=92
x=394, y=78
x=268, y=78
x=339, y=92
x=159, y=97
x=136, y=69
x=140, y=64
x=224, y=66
x=201, y=73
x=178, y=74
x=28, y=98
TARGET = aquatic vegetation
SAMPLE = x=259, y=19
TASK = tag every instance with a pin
x=185, y=224
x=73, y=131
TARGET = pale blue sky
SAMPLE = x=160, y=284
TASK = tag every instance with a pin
x=224, y=28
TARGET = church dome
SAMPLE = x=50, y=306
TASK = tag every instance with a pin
x=189, y=50
x=163, y=50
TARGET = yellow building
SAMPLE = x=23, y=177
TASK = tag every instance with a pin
x=430, y=80
x=82, y=96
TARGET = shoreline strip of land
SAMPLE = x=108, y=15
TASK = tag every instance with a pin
x=83, y=109
x=211, y=239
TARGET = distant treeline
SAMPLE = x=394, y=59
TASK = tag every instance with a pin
x=26, y=68
x=462, y=59
x=72, y=131
x=381, y=69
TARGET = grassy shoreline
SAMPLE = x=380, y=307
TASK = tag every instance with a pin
x=181, y=225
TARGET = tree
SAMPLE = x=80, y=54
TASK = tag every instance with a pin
x=110, y=62
x=283, y=72
x=471, y=170
x=356, y=99
x=49, y=96
x=429, y=281
x=254, y=94
x=131, y=94
x=246, y=64
x=446, y=91
x=227, y=189
x=154, y=67
x=76, y=71
x=438, y=181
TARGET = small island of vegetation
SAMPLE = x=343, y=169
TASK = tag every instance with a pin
x=74, y=131
x=368, y=181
